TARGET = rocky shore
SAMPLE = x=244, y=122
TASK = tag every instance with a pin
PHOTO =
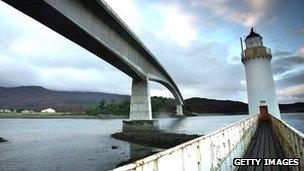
x=154, y=139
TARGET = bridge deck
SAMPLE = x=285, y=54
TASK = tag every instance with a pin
x=264, y=144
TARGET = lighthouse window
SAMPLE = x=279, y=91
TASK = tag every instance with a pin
x=262, y=101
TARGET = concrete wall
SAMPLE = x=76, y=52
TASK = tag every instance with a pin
x=213, y=151
x=260, y=86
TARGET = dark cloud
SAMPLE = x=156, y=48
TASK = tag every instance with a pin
x=15, y=74
x=300, y=96
x=292, y=79
x=289, y=69
x=283, y=64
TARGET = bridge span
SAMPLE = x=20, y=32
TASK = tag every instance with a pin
x=94, y=26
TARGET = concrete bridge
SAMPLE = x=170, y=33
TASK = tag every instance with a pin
x=94, y=26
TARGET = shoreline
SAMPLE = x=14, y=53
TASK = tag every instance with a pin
x=84, y=116
x=60, y=116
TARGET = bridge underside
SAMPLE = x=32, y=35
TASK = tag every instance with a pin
x=95, y=27
x=264, y=144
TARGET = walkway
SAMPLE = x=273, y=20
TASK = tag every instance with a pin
x=264, y=144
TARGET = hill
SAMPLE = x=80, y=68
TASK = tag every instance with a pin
x=203, y=105
x=37, y=98
x=292, y=108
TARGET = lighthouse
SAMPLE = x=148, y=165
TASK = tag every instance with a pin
x=261, y=92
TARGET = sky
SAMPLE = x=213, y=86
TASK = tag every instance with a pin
x=197, y=41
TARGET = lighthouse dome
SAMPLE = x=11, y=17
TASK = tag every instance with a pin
x=253, y=40
x=253, y=34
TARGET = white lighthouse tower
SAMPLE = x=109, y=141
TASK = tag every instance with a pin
x=260, y=85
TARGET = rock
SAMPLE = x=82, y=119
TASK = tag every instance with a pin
x=2, y=140
x=154, y=139
x=114, y=147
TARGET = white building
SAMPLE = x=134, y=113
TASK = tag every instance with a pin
x=260, y=85
x=49, y=110
x=5, y=111
x=27, y=111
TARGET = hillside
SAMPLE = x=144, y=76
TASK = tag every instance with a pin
x=292, y=108
x=203, y=105
x=38, y=98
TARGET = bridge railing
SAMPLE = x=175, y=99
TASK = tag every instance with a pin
x=210, y=152
x=291, y=140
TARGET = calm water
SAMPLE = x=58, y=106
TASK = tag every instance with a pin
x=85, y=144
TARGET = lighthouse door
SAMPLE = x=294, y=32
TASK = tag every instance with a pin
x=264, y=113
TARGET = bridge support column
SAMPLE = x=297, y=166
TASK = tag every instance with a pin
x=140, y=109
x=179, y=110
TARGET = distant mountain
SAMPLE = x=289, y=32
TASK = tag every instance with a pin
x=37, y=98
x=292, y=108
x=203, y=105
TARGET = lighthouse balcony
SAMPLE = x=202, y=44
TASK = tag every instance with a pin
x=256, y=52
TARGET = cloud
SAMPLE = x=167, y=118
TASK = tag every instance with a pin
x=202, y=70
x=288, y=68
x=15, y=73
x=301, y=51
x=127, y=10
x=32, y=54
x=177, y=24
x=291, y=93
x=278, y=54
x=291, y=79
x=168, y=21
x=78, y=79
x=286, y=63
x=246, y=13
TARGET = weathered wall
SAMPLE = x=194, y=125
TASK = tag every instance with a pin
x=210, y=152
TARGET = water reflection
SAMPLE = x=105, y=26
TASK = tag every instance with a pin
x=138, y=152
x=176, y=123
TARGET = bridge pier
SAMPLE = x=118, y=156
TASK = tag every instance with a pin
x=140, y=109
x=179, y=110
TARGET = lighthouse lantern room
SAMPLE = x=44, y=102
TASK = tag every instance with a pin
x=259, y=79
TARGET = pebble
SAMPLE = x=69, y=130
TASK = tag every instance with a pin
x=114, y=147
